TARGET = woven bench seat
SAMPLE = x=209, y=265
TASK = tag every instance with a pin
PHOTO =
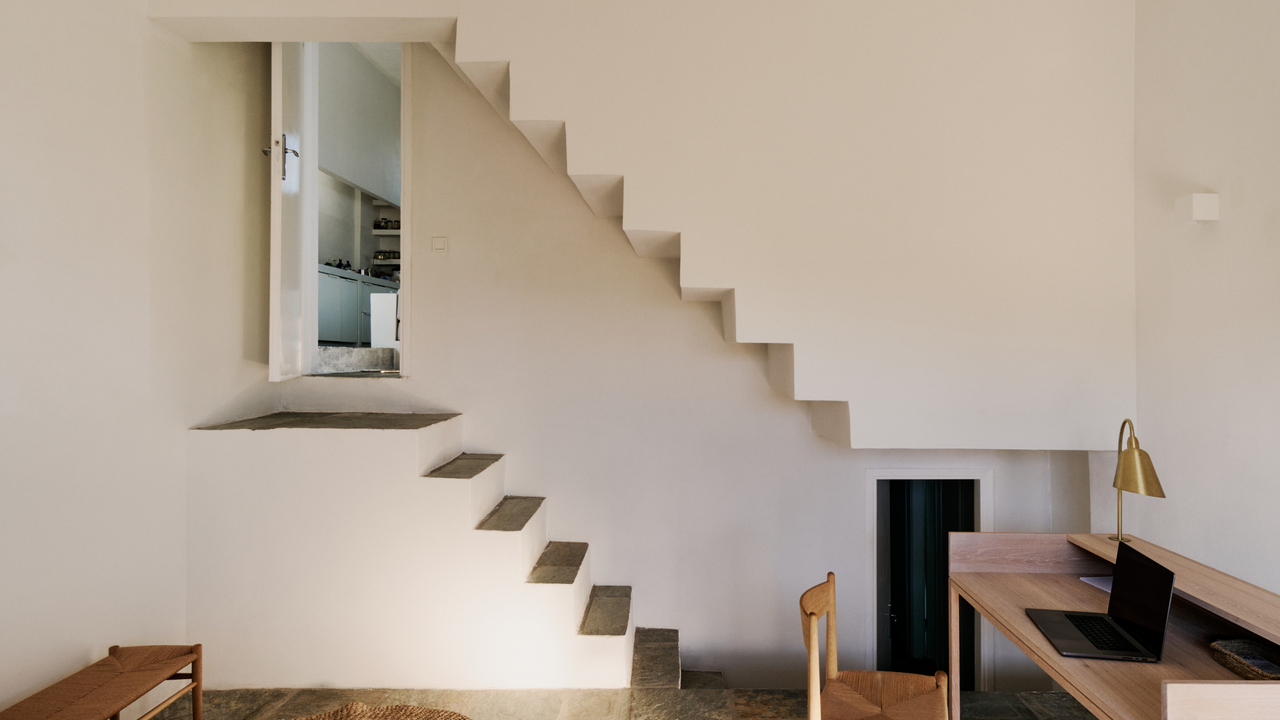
x=108, y=686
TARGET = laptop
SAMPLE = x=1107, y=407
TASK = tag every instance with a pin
x=1132, y=629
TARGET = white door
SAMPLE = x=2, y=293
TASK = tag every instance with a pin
x=294, y=232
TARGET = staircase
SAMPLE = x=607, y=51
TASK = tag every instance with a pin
x=408, y=538
x=607, y=607
x=657, y=664
x=604, y=195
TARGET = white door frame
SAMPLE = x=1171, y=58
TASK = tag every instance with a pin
x=291, y=306
x=407, y=50
x=219, y=21
x=294, y=304
x=986, y=507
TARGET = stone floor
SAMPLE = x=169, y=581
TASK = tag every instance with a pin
x=637, y=704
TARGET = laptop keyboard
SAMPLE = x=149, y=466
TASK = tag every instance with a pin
x=1101, y=634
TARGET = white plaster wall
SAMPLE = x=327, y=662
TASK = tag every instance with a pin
x=654, y=440
x=612, y=394
x=337, y=220
x=359, y=122
x=1208, y=338
x=933, y=199
x=143, y=316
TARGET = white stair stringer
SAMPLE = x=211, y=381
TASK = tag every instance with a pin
x=493, y=80
x=604, y=195
x=396, y=587
x=655, y=243
x=549, y=138
x=828, y=418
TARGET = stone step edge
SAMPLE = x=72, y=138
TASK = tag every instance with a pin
x=465, y=466
x=529, y=510
x=603, y=599
x=559, y=563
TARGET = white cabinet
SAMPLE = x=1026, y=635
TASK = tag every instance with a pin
x=344, y=304
x=366, y=289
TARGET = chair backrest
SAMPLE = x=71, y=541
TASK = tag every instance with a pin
x=817, y=601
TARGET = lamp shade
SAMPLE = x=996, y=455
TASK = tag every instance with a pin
x=1134, y=472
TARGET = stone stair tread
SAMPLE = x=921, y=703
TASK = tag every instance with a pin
x=656, y=666
x=335, y=360
x=608, y=611
x=465, y=466
x=701, y=680
x=648, y=636
x=559, y=563
x=337, y=420
x=511, y=514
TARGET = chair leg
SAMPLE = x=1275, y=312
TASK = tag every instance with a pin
x=197, y=692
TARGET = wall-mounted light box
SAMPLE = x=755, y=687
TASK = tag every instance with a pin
x=1197, y=207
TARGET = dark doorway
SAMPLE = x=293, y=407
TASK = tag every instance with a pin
x=919, y=514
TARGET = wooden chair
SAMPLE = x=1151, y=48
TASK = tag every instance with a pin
x=862, y=695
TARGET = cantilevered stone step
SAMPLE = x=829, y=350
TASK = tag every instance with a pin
x=656, y=662
x=608, y=611
x=465, y=466
x=701, y=680
x=511, y=514
x=559, y=563
x=342, y=420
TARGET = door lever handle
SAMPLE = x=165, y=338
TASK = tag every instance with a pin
x=284, y=156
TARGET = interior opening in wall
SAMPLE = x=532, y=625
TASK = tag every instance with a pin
x=339, y=293
x=914, y=517
x=358, y=248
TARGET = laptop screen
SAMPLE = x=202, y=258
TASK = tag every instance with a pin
x=1141, y=593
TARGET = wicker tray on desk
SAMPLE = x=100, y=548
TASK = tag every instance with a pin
x=1248, y=659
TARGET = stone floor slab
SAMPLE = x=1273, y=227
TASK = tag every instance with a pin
x=596, y=705
x=771, y=704
x=664, y=704
x=1054, y=706
x=514, y=704
x=230, y=704
x=994, y=706
x=313, y=701
x=453, y=700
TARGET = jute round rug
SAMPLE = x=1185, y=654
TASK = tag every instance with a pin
x=360, y=711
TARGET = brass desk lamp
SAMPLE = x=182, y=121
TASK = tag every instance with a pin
x=1135, y=474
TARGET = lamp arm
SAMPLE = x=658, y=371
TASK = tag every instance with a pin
x=1120, y=493
x=1120, y=440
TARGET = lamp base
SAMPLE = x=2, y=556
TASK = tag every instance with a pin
x=1119, y=539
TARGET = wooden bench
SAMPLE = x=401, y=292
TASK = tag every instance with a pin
x=108, y=686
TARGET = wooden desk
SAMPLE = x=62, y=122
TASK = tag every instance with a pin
x=1003, y=574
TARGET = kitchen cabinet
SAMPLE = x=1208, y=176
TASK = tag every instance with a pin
x=344, y=304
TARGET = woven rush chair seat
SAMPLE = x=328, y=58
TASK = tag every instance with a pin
x=871, y=695
x=859, y=694
x=106, y=687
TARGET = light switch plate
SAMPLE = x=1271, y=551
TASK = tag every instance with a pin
x=439, y=244
x=1197, y=207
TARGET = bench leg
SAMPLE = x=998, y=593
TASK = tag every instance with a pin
x=197, y=692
